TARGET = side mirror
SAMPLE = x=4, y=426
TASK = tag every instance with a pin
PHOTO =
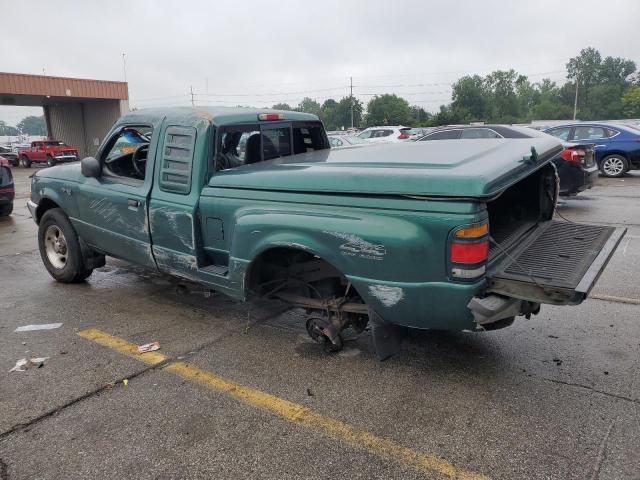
x=90, y=167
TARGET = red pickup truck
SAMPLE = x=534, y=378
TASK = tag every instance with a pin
x=50, y=151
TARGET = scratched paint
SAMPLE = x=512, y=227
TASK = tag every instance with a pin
x=388, y=296
x=356, y=246
x=104, y=209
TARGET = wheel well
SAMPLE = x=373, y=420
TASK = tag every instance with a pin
x=299, y=271
x=44, y=205
x=620, y=154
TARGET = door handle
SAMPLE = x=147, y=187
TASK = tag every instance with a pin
x=133, y=203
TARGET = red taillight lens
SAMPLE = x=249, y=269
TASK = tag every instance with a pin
x=403, y=136
x=573, y=155
x=469, y=252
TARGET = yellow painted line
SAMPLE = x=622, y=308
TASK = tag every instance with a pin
x=293, y=412
x=612, y=298
x=122, y=346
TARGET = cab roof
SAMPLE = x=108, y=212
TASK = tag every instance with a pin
x=219, y=116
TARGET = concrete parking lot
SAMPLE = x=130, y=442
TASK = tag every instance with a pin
x=239, y=391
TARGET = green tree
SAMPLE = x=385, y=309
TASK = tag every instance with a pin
x=470, y=98
x=631, y=102
x=337, y=115
x=282, y=106
x=388, y=110
x=32, y=126
x=503, y=101
x=309, y=105
x=418, y=116
x=8, y=129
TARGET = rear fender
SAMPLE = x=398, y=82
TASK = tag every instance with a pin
x=363, y=244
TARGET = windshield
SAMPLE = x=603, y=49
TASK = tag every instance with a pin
x=128, y=141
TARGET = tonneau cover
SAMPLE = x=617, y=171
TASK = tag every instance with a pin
x=444, y=168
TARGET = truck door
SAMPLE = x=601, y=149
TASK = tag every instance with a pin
x=113, y=207
x=174, y=199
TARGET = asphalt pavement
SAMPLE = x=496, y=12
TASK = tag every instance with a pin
x=240, y=391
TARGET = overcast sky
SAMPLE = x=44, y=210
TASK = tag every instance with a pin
x=263, y=52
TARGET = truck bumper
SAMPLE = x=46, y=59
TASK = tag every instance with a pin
x=32, y=206
x=432, y=305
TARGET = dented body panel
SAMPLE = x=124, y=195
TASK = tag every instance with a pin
x=383, y=216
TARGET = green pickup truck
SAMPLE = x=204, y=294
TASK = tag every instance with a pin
x=453, y=235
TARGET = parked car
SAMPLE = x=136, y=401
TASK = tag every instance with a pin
x=424, y=235
x=341, y=141
x=617, y=146
x=9, y=155
x=416, y=133
x=50, y=151
x=385, y=134
x=575, y=164
x=7, y=189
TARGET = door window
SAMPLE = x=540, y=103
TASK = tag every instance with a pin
x=443, y=135
x=472, y=133
x=562, y=133
x=589, y=133
x=125, y=154
x=366, y=134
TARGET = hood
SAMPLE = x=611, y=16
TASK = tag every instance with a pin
x=70, y=172
x=447, y=168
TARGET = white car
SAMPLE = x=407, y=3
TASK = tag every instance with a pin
x=343, y=141
x=385, y=134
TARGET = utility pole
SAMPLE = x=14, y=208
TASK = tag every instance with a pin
x=575, y=102
x=124, y=67
x=193, y=104
x=351, y=97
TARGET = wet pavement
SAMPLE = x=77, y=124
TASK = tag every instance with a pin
x=554, y=397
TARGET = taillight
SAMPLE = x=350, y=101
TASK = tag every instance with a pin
x=403, y=136
x=469, y=251
x=573, y=155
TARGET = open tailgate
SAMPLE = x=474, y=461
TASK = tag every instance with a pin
x=557, y=262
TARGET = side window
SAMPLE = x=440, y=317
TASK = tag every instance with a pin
x=442, y=135
x=125, y=154
x=385, y=133
x=366, y=134
x=611, y=132
x=471, y=133
x=308, y=137
x=177, y=159
x=589, y=133
x=562, y=133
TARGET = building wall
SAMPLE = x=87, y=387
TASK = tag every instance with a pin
x=66, y=124
x=99, y=117
x=83, y=125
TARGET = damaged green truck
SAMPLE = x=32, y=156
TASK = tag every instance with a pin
x=450, y=235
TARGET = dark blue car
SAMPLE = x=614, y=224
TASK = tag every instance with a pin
x=617, y=146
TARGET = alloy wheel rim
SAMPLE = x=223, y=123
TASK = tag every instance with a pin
x=613, y=166
x=55, y=246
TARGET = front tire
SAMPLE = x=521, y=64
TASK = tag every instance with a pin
x=60, y=248
x=614, y=166
x=25, y=162
x=51, y=161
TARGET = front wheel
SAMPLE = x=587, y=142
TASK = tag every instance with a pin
x=60, y=248
x=51, y=161
x=25, y=162
x=614, y=166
